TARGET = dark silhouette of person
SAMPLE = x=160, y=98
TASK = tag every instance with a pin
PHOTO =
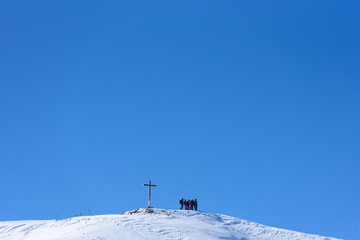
x=196, y=204
x=191, y=204
x=181, y=203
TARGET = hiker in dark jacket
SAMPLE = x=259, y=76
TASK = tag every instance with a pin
x=187, y=204
x=195, y=204
x=181, y=203
x=191, y=204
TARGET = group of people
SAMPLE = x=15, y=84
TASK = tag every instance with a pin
x=189, y=204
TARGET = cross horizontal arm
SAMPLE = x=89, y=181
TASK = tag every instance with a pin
x=149, y=185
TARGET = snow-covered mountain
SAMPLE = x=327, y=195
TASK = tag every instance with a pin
x=141, y=224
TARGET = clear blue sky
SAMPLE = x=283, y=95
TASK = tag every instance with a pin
x=250, y=106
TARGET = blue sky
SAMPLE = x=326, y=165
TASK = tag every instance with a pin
x=250, y=106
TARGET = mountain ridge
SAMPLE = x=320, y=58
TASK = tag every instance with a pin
x=148, y=224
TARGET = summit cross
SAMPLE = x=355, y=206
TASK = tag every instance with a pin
x=149, y=185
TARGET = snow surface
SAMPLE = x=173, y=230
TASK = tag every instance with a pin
x=141, y=224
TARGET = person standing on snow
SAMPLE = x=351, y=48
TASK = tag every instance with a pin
x=195, y=204
x=191, y=204
x=181, y=203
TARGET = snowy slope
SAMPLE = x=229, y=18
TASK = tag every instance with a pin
x=139, y=224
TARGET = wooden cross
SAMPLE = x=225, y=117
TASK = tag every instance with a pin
x=149, y=185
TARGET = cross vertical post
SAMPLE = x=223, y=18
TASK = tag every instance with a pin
x=149, y=185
